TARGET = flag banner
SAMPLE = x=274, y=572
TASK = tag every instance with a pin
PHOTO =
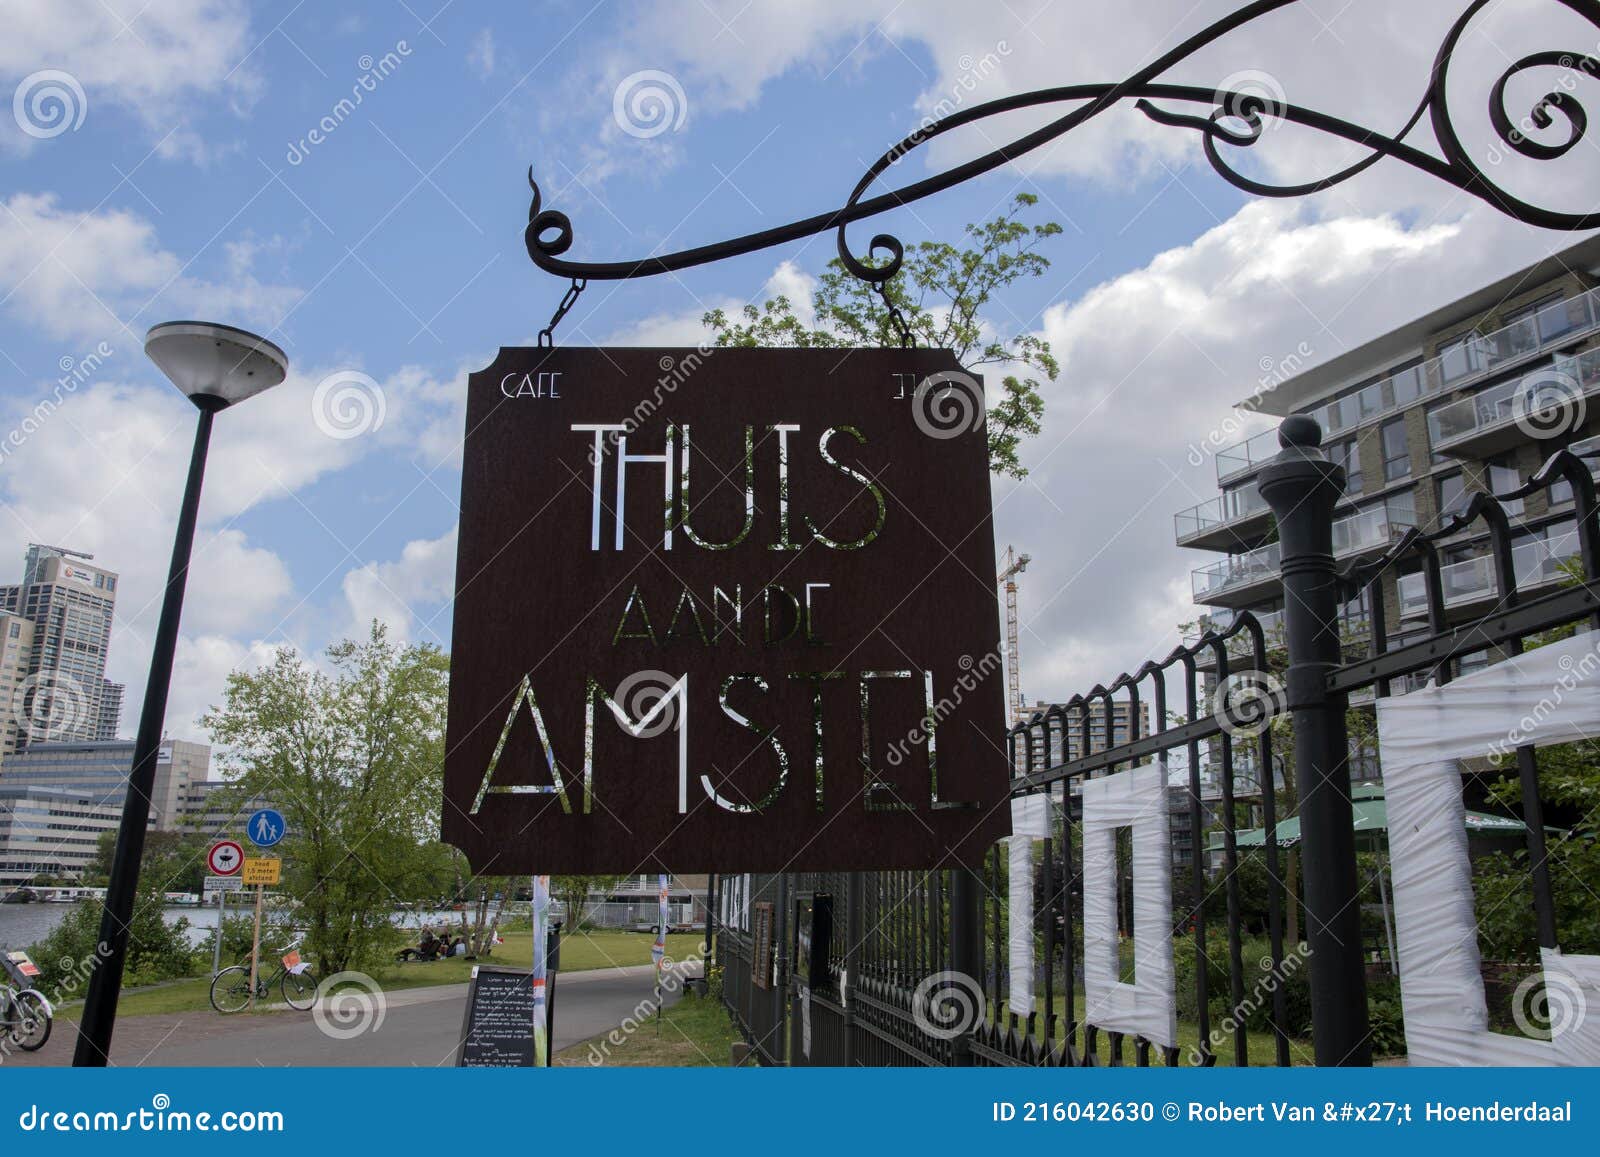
x=541, y=968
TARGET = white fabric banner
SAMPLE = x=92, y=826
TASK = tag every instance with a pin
x=1148, y=1007
x=1546, y=696
x=1030, y=820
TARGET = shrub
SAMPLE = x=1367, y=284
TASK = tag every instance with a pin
x=156, y=950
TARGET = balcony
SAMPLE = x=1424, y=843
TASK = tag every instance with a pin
x=1224, y=522
x=1508, y=413
x=1242, y=579
x=1472, y=582
x=1245, y=457
x=1558, y=324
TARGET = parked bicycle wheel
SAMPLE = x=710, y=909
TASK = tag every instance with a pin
x=230, y=990
x=31, y=1021
x=299, y=989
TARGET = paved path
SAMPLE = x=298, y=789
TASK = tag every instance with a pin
x=420, y=1026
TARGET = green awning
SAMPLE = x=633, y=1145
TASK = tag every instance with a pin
x=1371, y=816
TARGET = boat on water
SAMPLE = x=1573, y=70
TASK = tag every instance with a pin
x=19, y=896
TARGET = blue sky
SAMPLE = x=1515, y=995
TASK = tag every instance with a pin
x=393, y=249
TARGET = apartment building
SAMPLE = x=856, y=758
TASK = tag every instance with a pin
x=110, y=720
x=1474, y=396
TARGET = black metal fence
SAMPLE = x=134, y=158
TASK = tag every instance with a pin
x=910, y=955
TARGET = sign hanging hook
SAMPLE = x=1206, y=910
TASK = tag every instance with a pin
x=896, y=318
x=547, y=338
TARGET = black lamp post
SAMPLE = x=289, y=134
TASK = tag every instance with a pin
x=215, y=366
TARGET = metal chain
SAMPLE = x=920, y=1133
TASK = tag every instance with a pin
x=547, y=339
x=907, y=341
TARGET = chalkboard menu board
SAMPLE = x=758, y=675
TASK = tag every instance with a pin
x=498, y=1030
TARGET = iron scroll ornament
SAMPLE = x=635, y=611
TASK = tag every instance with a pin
x=1236, y=119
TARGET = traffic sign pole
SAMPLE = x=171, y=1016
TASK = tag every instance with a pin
x=255, y=946
x=216, y=949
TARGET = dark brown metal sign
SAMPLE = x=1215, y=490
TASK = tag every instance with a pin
x=728, y=610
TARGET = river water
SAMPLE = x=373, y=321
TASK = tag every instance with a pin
x=25, y=924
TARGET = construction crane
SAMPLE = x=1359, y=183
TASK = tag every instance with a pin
x=1015, y=565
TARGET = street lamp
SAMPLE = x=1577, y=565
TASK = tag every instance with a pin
x=215, y=366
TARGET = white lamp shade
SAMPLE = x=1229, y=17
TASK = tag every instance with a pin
x=203, y=358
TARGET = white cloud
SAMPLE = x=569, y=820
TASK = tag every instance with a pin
x=105, y=274
x=150, y=61
x=1152, y=361
x=481, y=55
x=398, y=593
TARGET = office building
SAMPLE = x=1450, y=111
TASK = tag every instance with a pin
x=99, y=771
x=49, y=832
x=16, y=646
x=70, y=604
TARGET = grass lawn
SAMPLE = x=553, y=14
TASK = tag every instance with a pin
x=694, y=1033
x=580, y=952
x=1262, y=1046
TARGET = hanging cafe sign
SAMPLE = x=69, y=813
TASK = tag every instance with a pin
x=776, y=666
x=724, y=609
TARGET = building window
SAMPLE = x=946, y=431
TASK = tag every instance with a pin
x=1345, y=454
x=1452, y=493
x=1396, y=455
x=1500, y=476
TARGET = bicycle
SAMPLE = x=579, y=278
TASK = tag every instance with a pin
x=25, y=1015
x=230, y=988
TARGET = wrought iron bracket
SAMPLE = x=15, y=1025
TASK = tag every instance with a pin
x=1236, y=119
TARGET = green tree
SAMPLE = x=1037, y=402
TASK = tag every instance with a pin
x=573, y=892
x=172, y=861
x=354, y=757
x=940, y=292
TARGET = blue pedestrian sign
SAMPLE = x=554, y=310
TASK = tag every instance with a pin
x=266, y=828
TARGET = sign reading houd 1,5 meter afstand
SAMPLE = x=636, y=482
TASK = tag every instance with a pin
x=724, y=610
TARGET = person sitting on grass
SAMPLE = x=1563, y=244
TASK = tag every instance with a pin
x=427, y=948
